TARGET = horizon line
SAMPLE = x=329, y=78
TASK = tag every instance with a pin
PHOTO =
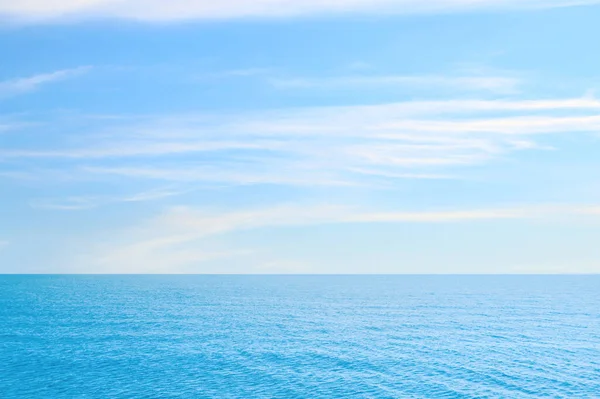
x=303, y=274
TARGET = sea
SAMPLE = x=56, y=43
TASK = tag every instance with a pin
x=208, y=336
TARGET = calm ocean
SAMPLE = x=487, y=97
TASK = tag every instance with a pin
x=299, y=337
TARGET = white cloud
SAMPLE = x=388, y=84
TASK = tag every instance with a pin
x=173, y=241
x=160, y=10
x=18, y=86
x=327, y=146
x=495, y=84
x=135, y=149
x=237, y=73
x=89, y=202
x=229, y=174
x=7, y=127
x=461, y=116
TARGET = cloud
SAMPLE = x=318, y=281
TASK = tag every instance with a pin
x=134, y=149
x=9, y=88
x=327, y=146
x=192, y=223
x=418, y=116
x=175, y=240
x=237, y=73
x=495, y=84
x=8, y=126
x=228, y=174
x=89, y=202
x=159, y=10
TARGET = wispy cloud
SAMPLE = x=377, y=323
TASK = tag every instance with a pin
x=231, y=174
x=336, y=146
x=18, y=86
x=173, y=241
x=185, y=223
x=241, y=73
x=7, y=126
x=89, y=202
x=495, y=84
x=157, y=10
x=135, y=149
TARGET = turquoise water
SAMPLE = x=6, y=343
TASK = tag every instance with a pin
x=299, y=337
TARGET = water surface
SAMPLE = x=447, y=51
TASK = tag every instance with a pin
x=299, y=337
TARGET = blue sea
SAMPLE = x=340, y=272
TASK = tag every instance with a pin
x=299, y=337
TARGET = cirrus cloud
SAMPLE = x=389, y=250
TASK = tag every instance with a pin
x=12, y=87
x=160, y=10
x=318, y=146
x=174, y=241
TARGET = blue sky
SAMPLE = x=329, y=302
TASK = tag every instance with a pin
x=289, y=136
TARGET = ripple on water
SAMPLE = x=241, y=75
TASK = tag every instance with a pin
x=299, y=337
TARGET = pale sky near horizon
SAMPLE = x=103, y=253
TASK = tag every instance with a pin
x=288, y=136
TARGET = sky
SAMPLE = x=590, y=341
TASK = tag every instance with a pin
x=299, y=136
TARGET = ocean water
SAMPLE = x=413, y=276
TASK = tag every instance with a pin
x=299, y=337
